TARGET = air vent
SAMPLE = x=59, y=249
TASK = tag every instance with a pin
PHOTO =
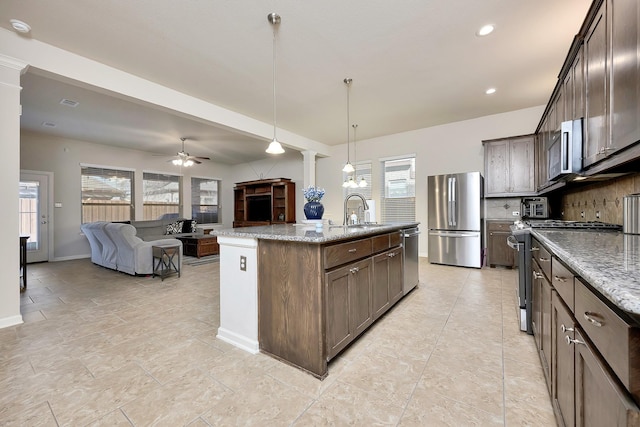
x=69, y=102
x=48, y=124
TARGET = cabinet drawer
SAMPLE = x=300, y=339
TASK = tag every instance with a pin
x=395, y=238
x=346, y=252
x=499, y=226
x=618, y=342
x=386, y=241
x=540, y=254
x=562, y=280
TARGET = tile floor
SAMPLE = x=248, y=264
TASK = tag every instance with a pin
x=103, y=348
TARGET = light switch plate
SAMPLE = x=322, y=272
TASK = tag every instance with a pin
x=57, y=204
x=243, y=263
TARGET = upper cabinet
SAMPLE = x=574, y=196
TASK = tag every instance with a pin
x=509, y=166
x=600, y=82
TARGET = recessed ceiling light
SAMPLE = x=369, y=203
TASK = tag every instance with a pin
x=486, y=30
x=490, y=91
x=19, y=26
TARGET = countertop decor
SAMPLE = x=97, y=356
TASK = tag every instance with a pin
x=313, y=209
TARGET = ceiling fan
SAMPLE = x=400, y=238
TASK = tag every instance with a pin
x=184, y=159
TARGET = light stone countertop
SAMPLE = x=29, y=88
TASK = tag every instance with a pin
x=608, y=261
x=307, y=232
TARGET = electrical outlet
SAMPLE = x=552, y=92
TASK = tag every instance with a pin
x=582, y=214
x=598, y=214
x=515, y=213
x=243, y=263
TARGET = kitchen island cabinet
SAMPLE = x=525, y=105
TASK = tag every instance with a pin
x=314, y=291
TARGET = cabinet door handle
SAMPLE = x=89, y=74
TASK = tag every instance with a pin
x=352, y=250
x=354, y=270
x=591, y=317
x=545, y=259
x=565, y=329
x=535, y=249
x=570, y=341
x=537, y=275
x=559, y=279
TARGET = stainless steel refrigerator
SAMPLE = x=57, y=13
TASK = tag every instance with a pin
x=455, y=219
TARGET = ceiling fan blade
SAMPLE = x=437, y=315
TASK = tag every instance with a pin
x=195, y=161
x=201, y=158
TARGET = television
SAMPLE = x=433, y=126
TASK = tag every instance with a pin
x=259, y=208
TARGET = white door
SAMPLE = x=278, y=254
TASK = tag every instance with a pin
x=34, y=214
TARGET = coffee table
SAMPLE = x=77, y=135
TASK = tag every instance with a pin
x=199, y=245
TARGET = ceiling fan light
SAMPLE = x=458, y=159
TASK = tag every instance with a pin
x=177, y=162
x=348, y=168
x=188, y=163
x=275, y=147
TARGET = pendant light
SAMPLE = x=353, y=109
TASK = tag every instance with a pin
x=363, y=182
x=274, y=147
x=353, y=183
x=348, y=168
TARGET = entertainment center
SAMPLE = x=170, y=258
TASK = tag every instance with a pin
x=264, y=202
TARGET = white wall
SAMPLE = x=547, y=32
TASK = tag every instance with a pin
x=450, y=148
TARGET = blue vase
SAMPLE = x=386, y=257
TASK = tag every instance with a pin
x=313, y=210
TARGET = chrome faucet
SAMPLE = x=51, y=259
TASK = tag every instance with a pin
x=365, y=206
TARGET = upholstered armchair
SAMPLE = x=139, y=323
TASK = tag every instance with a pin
x=105, y=244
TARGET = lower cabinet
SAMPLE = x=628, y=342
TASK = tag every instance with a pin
x=562, y=361
x=349, y=309
x=541, y=322
x=499, y=252
x=599, y=397
x=386, y=288
x=587, y=352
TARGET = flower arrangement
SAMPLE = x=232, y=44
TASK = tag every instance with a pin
x=313, y=194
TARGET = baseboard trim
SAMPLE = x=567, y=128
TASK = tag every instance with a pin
x=70, y=258
x=238, y=340
x=11, y=321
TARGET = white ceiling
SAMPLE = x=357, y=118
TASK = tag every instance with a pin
x=414, y=64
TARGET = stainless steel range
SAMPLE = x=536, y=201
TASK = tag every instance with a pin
x=520, y=240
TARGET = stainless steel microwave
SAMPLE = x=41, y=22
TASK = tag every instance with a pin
x=564, y=152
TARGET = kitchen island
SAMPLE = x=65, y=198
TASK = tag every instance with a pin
x=301, y=294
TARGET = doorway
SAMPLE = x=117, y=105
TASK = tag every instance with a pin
x=34, y=213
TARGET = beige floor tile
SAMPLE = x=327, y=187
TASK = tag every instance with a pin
x=343, y=404
x=101, y=348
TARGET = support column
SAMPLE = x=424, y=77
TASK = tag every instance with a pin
x=309, y=161
x=10, y=110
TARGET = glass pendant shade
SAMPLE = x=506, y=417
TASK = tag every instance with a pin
x=363, y=182
x=348, y=168
x=346, y=183
x=352, y=183
x=188, y=163
x=177, y=162
x=275, y=147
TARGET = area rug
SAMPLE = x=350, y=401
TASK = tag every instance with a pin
x=191, y=260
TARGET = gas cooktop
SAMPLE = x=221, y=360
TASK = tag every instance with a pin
x=584, y=225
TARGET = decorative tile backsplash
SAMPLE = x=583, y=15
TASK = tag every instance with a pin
x=502, y=208
x=600, y=201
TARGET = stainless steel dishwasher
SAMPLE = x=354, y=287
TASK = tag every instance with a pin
x=410, y=243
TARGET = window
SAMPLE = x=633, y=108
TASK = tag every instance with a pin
x=398, y=194
x=161, y=195
x=106, y=194
x=204, y=200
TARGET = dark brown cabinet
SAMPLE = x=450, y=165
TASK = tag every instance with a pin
x=349, y=310
x=314, y=299
x=509, y=166
x=562, y=383
x=589, y=354
x=499, y=252
x=264, y=202
x=386, y=289
x=596, y=125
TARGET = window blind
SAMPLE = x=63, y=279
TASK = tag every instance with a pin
x=106, y=194
x=160, y=195
x=398, y=192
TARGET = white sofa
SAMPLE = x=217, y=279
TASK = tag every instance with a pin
x=116, y=246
